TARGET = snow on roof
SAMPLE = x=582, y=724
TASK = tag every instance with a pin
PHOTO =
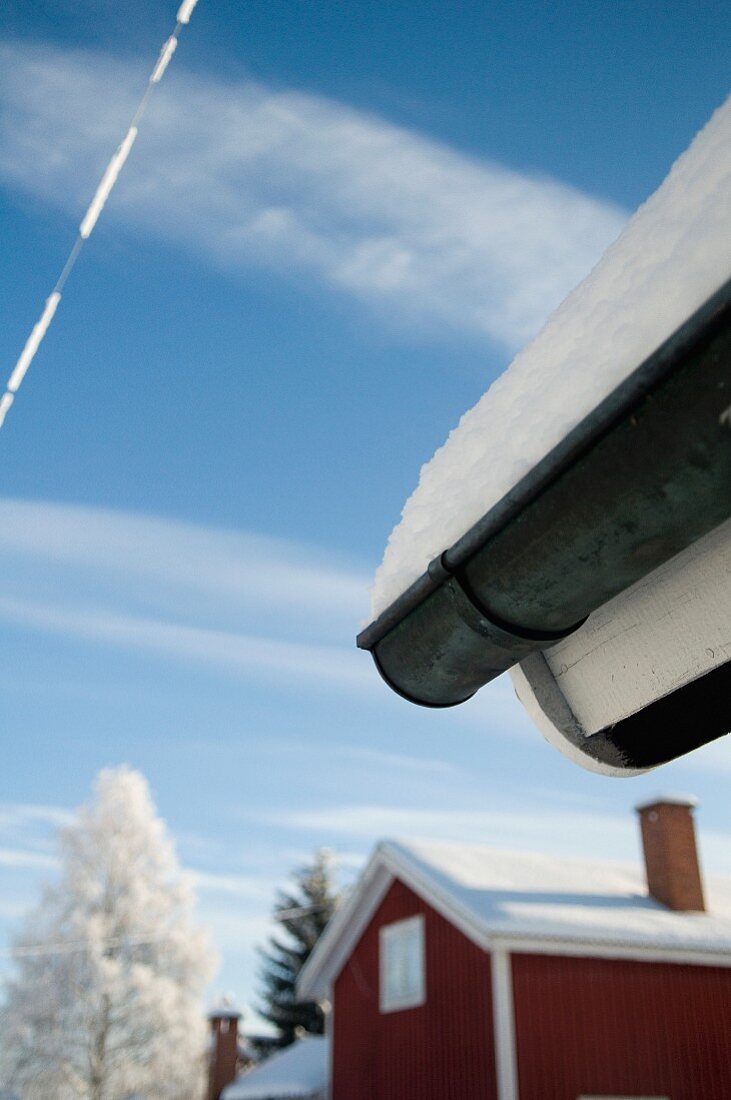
x=297, y=1071
x=687, y=800
x=527, y=897
x=520, y=894
x=672, y=255
x=225, y=1008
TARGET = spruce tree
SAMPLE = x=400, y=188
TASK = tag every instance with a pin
x=303, y=914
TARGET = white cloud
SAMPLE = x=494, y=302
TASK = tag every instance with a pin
x=398, y=762
x=568, y=833
x=237, y=568
x=373, y=820
x=320, y=666
x=252, y=887
x=27, y=834
x=222, y=600
x=19, y=815
x=248, y=175
x=541, y=829
x=235, y=932
x=182, y=592
x=20, y=858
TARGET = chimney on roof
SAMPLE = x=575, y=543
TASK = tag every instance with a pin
x=671, y=856
x=224, y=1049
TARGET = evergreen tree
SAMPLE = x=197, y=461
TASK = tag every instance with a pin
x=110, y=972
x=303, y=914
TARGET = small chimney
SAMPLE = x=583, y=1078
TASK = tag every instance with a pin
x=671, y=856
x=223, y=1065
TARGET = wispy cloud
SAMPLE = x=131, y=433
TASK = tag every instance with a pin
x=21, y=858
x=239, y=568
x=317, y=665
x=27, y=833
x=249, y=175
x=235, y=602
x=257, y=888
x=226, y=601
x=399, y=762
x=20, y=815
x=592, y=833
x=236, y=932
x=517, y=826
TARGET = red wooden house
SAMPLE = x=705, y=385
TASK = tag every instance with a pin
x=464, y=973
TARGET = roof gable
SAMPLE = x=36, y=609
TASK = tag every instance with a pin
x=493, y=895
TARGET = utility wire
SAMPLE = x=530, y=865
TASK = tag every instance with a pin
x=66, y=947
x=93, y=212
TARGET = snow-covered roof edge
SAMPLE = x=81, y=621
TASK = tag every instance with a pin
x=344, y=928
x=673, y=254
x=299, y=1070
x=393, y=860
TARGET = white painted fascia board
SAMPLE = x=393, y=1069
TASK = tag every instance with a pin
x=547, y=708
x=664, y=632
x=597, y=949
x=660, y=635
x=438, y=898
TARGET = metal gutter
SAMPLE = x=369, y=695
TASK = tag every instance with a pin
x=646, y=474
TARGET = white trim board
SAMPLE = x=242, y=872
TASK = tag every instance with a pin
x=667, y=630
x=344, y=930
x=503, y=1024
x=596, y=949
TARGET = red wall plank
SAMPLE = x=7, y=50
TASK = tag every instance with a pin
x=622, y=1028
x=441, y=1051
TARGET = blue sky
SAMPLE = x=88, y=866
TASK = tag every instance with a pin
x=338, y=224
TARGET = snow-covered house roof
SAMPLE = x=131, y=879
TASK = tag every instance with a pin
x=673, y=254
x=547, y=903
x=586, y=494
x=299, y=1072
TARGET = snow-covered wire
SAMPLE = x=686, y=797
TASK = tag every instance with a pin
x=108, y=181
x=102, y=193
x=298, y=911
x=64, y=947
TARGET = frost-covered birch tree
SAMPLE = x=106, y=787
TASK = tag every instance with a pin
x=106, y=997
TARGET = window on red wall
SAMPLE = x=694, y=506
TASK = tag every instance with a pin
x=401, y=964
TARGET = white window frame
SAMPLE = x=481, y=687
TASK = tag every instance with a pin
x=389, y=936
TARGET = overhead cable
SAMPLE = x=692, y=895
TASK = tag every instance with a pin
x=96, y=206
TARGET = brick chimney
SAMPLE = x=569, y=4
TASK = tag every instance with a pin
x=224, y=1048
x=671, y=856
